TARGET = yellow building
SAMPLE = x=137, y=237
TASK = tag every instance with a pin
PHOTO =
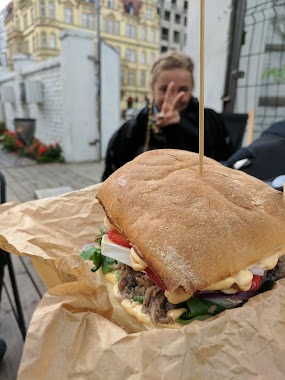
x=131, y=27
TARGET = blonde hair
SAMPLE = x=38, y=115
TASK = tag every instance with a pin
x=171, y=60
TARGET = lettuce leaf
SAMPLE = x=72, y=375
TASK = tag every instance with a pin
x=199, y=309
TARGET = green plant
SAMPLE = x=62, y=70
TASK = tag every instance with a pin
x=49, y=153
x=11, y=143
x=37, y=150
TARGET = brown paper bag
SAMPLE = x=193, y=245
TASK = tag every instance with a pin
x=71, y=335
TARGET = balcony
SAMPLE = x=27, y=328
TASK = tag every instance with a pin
x=14, y=33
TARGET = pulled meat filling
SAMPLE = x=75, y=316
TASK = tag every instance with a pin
x=134, y=284
x=137, y=284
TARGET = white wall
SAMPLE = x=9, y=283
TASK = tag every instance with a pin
x=48, y=114
x=217, y=23
x=67, y=112
x=79, y=96
x=110, y=94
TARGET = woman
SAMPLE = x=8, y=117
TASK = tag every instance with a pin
x=171, y=121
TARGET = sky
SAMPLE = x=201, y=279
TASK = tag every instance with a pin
x=3, y=4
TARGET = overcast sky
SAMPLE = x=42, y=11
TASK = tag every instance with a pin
x=3, y=3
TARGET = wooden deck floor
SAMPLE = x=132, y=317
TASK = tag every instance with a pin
x=31, y=290
x=23, y=177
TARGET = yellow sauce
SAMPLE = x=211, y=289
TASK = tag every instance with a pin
x=137, y=263
x=177, y=297
x=243, y=278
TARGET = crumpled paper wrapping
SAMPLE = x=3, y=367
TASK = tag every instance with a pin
x=71, y=335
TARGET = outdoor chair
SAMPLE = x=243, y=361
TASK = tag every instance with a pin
x=264, y=158
x=6, y=261
x=235, y=124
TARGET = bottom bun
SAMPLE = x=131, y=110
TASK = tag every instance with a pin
x=133, y=320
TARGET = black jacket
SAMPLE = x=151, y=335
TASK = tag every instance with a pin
x=128, y=141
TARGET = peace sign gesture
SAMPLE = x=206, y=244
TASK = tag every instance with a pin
x=169, y=113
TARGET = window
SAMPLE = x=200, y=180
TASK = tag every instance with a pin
x=129, y=8
x=130, y=31
x=52, y=42
x=173, y=2
x=25, y=21
x=51, y=9
x=167, y=15
x=122, y=77
x=33, y=14
x=152, y=58
x=44, y=40
x=148, y=13
x=143, y=57
x=177, y=19
x=27, y=47
x=130, y=55
x=34, y=43
x=142, y=81
x=104, y=24
x=185, y=21
x=185, y=5
x=131, y=78
x=163, y=49
x=111, y=4
x=143, y=33
x=133, y=56
x=111, y=26
x=43, y=8
x=117, y=27
x=91, y=21
x=84, y=20
x=176, y=36
x=164, y=34
x=68, y=15
x=152, y=35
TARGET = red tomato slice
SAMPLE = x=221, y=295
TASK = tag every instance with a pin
x=155, y=279
x=118, y=238
x=255, y=285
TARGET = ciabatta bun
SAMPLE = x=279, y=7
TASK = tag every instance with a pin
x=193, y=230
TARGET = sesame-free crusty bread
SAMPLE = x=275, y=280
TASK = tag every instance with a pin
x=193, y=230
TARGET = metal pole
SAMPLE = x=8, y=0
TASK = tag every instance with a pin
x=98, y=62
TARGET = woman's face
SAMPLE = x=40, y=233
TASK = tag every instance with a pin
x=182, y=80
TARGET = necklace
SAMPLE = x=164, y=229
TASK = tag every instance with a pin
x=152, y=127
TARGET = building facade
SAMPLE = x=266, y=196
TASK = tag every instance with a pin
x=173, y=24
x=3, y=57
x=131, y=27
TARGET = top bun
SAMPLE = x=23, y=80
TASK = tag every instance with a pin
x=193, y=230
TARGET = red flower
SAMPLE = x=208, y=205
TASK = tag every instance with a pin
x=19, y=144
x=42, y=150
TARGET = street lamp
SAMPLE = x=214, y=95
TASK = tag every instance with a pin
x=98, y=64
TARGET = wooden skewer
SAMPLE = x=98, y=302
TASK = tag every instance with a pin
x=201, y=98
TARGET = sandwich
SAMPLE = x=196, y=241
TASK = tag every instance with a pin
x=198, y=243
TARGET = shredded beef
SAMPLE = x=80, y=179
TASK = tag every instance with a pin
x=137, y=284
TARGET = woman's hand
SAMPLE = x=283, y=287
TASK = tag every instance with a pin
x=169, y=113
